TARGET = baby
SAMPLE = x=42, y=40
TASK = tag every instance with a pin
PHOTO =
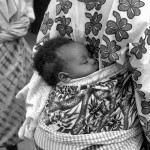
x=61, y=59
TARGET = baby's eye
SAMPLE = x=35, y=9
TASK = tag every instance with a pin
x=83, y=61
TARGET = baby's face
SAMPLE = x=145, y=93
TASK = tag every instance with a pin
x=78, y=61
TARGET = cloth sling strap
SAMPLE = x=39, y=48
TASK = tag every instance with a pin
x=117, y=140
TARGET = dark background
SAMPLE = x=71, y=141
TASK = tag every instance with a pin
x=40, y=7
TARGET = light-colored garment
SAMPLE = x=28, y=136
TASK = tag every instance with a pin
x=15, y=19
x=15, y=66
x=36, y=93
x=115, y=29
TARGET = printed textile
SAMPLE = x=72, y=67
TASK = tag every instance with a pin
x=93, y=112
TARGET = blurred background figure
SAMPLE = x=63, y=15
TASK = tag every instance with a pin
x=15, y=67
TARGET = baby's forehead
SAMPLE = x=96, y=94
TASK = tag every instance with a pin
x=76, y=46
x=71, y=50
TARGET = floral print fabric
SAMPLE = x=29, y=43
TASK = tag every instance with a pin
x=114, y=31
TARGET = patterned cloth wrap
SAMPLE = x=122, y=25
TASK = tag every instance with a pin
x=79, y=114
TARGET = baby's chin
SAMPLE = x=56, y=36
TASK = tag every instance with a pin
x=95, y=68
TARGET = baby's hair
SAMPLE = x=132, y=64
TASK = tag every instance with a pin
x=46, y=61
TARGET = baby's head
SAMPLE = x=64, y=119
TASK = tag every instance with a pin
x=61, y=59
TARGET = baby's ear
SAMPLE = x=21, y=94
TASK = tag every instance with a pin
x=63, y=76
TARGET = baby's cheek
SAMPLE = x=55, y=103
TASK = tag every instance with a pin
x=90, y=70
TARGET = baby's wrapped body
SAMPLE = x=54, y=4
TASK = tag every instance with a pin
x=95, y=112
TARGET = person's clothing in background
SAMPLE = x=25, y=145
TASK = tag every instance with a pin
x=119, y=31
x=15, y=66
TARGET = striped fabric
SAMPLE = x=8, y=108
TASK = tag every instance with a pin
x=114, y=140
